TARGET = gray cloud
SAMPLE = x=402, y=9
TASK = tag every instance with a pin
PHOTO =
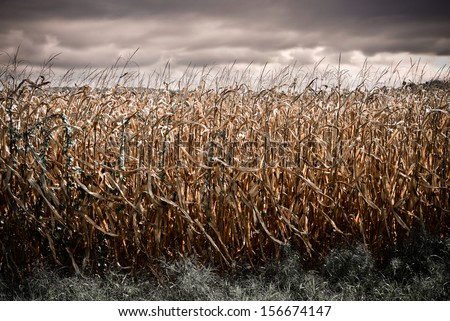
x=201, y=32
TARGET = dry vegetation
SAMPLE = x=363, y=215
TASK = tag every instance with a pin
x=122, y=177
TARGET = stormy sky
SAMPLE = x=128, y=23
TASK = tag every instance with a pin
x=218, y=32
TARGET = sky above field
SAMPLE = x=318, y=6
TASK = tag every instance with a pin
x=218, y=32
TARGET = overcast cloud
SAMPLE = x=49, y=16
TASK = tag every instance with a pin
x=213, y=32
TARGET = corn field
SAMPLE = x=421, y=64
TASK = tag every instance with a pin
x=124, y=176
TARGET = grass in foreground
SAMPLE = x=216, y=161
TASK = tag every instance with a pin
x=419, y=271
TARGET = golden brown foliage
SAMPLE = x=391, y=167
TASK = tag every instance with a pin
x=91, y=178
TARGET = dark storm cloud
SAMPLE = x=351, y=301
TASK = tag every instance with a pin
x=218, y=31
